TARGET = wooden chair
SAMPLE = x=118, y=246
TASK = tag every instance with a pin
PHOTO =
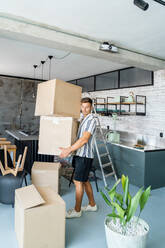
x=4, y=142
x=13, y=149
x=19, y=166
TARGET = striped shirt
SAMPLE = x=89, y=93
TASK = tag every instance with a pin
x=87, y=124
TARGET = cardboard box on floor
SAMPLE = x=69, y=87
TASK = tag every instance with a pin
x=56, y=132
x=46, y=174
x=58, y=98
x=39, y=218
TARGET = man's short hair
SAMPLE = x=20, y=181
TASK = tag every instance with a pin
x=86, y=99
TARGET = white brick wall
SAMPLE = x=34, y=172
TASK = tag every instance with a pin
x=154, y=121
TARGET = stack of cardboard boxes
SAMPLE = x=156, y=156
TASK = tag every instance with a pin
x=39, y=210
x=58, y=104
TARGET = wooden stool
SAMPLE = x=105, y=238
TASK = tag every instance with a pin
x=3, y=139
x=12, y=148
x=14, y=170
x=4, y=142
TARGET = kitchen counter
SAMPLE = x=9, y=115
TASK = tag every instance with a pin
x=147, y=148
x=143, y=167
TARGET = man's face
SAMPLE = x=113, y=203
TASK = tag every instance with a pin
x=86, y=108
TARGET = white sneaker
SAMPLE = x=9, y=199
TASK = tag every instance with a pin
x=89, y=208
x=72, y=213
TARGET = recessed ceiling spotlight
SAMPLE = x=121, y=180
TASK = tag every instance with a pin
x=141, y=4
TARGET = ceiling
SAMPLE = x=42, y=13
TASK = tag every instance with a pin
x=119, y=21
x=18, y=58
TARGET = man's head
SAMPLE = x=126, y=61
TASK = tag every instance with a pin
x=86, y=105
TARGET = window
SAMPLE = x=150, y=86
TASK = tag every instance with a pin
x=107, y=81
x=123, y=78
x=135, y=77
x=87, y=84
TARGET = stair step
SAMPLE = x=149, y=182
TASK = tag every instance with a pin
x=104, y=154
x=106, y=165
x=101, y=145
x=110, y=174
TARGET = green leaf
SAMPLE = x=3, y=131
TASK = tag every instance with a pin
x=115, y=185
x=111, y=192
x=123, y=182
x=144, y=198
x=105, y=198
x=133, y=204
x=126, y=187
x=113, y=215
x=119, y=209
x=119, y=197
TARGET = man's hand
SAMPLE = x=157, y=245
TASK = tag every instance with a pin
x=65, y=152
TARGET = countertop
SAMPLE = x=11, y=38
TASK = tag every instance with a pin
x=147, y=148
x=19, y=135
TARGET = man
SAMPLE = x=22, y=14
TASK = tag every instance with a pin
x=82, y=161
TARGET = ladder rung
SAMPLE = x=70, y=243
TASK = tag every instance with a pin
x=110, y=174
x=104, y=154
x=101, y=145
x=107, y=164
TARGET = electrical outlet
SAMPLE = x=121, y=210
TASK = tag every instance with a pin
x=161, y=134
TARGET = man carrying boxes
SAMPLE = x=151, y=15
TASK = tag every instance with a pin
x=58, y=104
x=83, y=159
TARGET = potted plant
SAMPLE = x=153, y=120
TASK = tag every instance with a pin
x=123, y=229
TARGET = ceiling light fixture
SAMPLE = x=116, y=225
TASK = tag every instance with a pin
x=106, y=46
x=141, y=4
x=50, y=58
x=35, y=67
x=42, y=63
x=144, y=5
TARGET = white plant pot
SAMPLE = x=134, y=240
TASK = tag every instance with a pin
x=117, y=240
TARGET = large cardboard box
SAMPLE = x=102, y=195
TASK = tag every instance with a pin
x=56, y=132
x=58, y=98
x=46, y=174
x=39, y=218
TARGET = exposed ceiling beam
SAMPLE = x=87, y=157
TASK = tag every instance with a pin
x=22, y=29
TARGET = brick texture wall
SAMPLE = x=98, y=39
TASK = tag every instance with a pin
x=154, y=121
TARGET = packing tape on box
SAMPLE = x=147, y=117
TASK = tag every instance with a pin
x=55, y=120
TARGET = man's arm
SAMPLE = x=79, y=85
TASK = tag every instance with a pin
x=79, y=143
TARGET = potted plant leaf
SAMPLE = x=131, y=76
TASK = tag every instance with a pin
x=123, y=229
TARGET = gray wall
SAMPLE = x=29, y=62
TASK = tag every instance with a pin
x=154, y=121
x=17, y=105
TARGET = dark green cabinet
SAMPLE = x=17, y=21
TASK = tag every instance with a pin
x=142, y=168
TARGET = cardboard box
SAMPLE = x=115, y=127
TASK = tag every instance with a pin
x=56, y=132
x=58, y=98
x=39, y=218
x=46, y=174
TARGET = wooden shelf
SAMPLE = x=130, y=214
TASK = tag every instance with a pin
x=124, y=103
x=118, y=105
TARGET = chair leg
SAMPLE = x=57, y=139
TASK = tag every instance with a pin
x=95, y=178
x=25, y=180
x=71, y=180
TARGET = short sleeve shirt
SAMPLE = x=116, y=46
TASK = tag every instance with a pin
x=87, y=124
